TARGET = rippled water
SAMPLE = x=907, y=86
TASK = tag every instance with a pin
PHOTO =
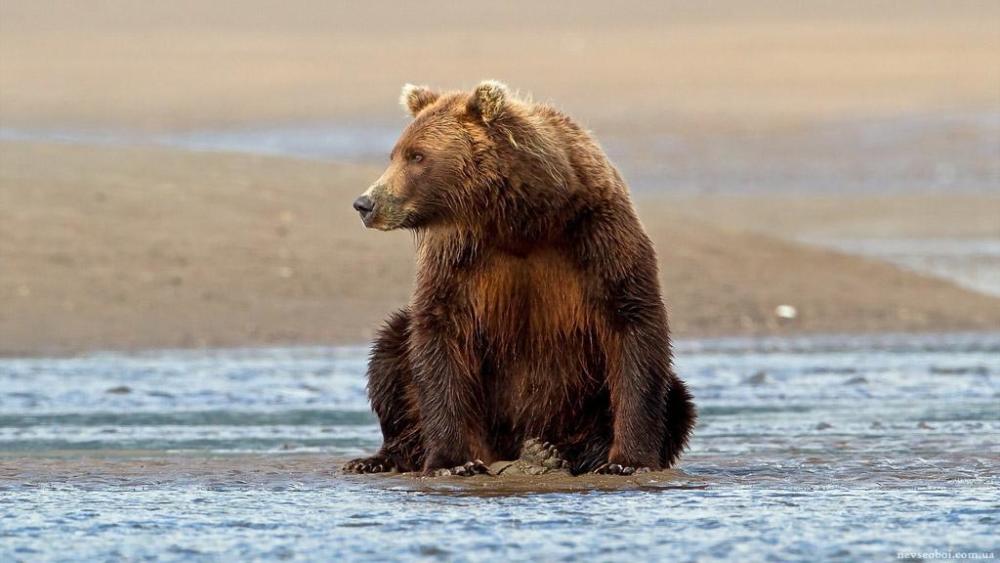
x=846, y=448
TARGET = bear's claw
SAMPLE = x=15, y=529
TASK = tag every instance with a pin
x=374, y=464
x=474, y=467
x=618, y=469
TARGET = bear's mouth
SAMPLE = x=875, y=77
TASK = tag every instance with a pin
x=365, y=207
x=385, y=212
x=367, y=218
x=374, y=220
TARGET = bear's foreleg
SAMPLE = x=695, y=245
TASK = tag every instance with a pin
x=446, y=373
x=638, y=375
x=611, y=245
x=394, y=400
x=653, y=410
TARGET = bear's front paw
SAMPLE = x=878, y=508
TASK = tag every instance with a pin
x=374, y=464
x=474, y=467
x=619, y=469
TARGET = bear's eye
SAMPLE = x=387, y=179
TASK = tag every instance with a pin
x=416, y=157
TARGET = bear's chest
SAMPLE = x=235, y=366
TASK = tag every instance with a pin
x=537, y=299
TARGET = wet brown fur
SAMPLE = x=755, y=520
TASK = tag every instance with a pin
x=537, y=310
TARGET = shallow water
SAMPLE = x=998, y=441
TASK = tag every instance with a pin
x=849, y=448
x=970, y=262
x=919, y=153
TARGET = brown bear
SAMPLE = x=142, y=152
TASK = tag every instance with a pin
x=536, y=312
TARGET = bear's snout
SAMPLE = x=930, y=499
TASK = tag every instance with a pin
x=364, y=206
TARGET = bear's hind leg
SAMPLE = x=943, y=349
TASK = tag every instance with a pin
x=390, y=388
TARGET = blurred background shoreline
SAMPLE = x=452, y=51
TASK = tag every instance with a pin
x=180, y=175
x=187, y=296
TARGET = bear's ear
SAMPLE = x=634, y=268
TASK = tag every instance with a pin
x=488, y=100
x=415, y=98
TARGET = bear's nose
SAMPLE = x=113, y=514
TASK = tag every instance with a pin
x=363, y=205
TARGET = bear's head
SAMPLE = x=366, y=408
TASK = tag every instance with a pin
x=462, y=158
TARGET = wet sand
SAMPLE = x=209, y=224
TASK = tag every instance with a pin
x=136, y=469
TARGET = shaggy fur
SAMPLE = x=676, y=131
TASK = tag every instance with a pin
x=537, y=310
